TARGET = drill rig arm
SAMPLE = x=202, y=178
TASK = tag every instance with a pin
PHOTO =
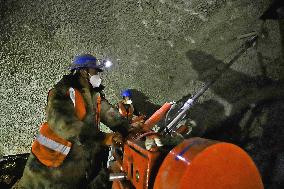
x=172, y=126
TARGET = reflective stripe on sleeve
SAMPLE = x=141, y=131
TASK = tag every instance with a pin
x=52, y=144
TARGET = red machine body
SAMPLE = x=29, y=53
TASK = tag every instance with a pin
x=199, y=163
x=139, y=165
x=195, y=163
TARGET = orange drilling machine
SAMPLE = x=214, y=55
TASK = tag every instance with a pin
x=195, y=163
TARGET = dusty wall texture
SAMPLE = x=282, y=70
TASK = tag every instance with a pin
x=162, y=49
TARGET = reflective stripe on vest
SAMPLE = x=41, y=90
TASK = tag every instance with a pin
x=52, y=144
x=49, y=148
x=79, y=105
x=78, y=101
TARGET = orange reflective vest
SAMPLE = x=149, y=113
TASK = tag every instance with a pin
x=122, y=110
x=49, y=148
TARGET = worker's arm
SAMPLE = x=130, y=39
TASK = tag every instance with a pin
x=112, y=118
x=61, y=116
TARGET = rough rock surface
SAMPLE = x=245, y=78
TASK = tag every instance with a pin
x=162, y=49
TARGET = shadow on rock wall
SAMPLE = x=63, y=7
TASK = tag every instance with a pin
x=255, y=121
x=209, y=107
x=281, y=30
x=142, y=104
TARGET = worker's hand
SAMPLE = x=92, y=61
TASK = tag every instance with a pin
x=117, y=139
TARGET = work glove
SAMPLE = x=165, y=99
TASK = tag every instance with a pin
x=117, y=139
x=113, y=138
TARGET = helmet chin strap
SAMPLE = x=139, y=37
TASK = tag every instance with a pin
x=88, y=75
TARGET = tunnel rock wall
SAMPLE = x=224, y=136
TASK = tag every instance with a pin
x=163, y=50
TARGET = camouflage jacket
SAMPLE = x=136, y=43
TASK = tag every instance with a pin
x=86, y=156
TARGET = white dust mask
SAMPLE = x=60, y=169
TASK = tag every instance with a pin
x=95, y=81
x=128, y=102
